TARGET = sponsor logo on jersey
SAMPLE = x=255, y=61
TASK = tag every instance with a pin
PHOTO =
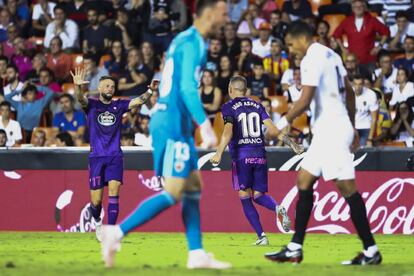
x=106, y=118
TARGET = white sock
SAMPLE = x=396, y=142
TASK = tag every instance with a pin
x=370, y=252
x=294, y=246
x=118, y=232
x=263, y=234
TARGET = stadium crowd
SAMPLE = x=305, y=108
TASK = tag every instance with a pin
x=41, y=41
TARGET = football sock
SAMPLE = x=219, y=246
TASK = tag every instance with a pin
x=147, y=210
x=360, y=220
x=303, y=211
x=251, y=214
x=113, y=209
x=370, y=252
x=266, y=201
x=191, y=217
x=96, y=211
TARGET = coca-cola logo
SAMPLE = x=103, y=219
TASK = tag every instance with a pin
x=385, y=211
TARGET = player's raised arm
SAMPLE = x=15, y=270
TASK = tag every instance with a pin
x=138, y=101
x=225, y=140
x=78, y=81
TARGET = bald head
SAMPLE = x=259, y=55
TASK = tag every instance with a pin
x=237, y=87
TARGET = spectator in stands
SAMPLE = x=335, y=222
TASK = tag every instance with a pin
x=148, y=56
x=46, y=78
x=407, y=61
x=180, y=18
x=77, y=11
x=20, y=14
x=39, y=138
x=391, y=7
x=361, y=29
x=295, y=90
x=159, y=29
x=322, y=31
x=96, y=37
x=65, y=29
x=58, y=61
x=287, y=77
x=353, y=67
x=125, y=30
x=259, y=83
x=38, y=62
x=385, y=76
x=10, y=126
x=210, y=94
x=139, y=12
x=13, y=82
x=143, y=137
x=410, y=12
x=246, y=58
x=117, y=63
x=225, y=72
x=249, y=26
x=148, y=107
x=403, y=89
x=64, y=139
x=236, y=9
x=366, y=111
x=5, y=21
x=213, y=54
x=266, y=7
x=130, y=121
x=403, y=125
x=399, y=31
x=261, y=45
x=279, y=27
x=136, y=77
x=267, y=104
x=93, y=73
x=69, y=120
x=297, y=9
x=276, y=64
x=230, y=43
x=127, y=139
x=3, y=138
x=8, y=45
x=29, y=110
x=42, y=15
x=4, y=62
x=21, y=57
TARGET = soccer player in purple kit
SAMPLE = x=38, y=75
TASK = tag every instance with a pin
x=243, y=118
x=104, y=117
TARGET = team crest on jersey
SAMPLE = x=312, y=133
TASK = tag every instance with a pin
x=106, y=118
x=179, y=166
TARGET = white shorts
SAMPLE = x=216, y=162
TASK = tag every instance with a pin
x=329, y=153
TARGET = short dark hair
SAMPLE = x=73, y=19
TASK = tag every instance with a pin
x=92, y=8
x=66, y=138
x=246, y=39
x=201, y=5
x=277, y=12
x=107, y=78
x=127, y=135
x=357, y=76
x=29, y=87
x=299, y=28
x=46, y=69
x=14, y=67
x=400, y=14
x=264, y=99
x=68, y=96
x=6, y=59
x=325, y=23
x=92, y=57
x=59, y=7
x=5, y=103
x=409, y=37
x=58, y=39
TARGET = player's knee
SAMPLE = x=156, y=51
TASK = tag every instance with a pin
x=96, y=201
x=304, y=181
x=245, y=193
x=346, y=187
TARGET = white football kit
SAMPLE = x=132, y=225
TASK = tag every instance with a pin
x=329, y=152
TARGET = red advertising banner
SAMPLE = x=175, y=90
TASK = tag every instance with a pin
x=47, y=200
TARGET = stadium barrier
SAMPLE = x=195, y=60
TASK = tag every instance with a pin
x=47, y=190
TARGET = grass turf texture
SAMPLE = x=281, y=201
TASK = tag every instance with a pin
x=154, y=254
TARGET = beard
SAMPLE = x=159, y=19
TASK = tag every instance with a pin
x=107, y=97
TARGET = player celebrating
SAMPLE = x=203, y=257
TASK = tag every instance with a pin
x=243, y=119
x=105, y=159
x=175, y=156
x=325, y=82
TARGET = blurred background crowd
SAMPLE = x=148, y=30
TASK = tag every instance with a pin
x=41, y=41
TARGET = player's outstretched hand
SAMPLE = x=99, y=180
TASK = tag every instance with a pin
x=298, y=149
x=154, y=85
x=79, y=76
x=216, y=159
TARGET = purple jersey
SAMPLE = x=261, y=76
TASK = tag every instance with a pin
x=104, y=122
x=247, y=117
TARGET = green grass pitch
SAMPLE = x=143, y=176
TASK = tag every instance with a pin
x=31, y=253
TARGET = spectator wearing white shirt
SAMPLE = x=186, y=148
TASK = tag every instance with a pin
x=14, y=84
x=403, y=90
x=143, y=137
x=261, y=45
x=287, y=77
x=295, y=91
x=385, y=76
x=249, y=26
x=399, y=31
x=366, y=105
x=42, y=15
x=10, y=126
x=64, y=28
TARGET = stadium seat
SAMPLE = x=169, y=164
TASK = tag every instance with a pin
x=50, y=133
x=301, y=124
x=68, y=88
x=218, y=125
x=393, y=144
x=255, y=98
x=279, y=104
x=333, y=20
x=315, y=4
x=104, y=59
x=279, y=4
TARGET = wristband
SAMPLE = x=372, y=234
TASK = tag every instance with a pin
x=282, y=123
x=149, y=91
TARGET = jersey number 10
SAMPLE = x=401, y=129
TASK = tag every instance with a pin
x=250, y=124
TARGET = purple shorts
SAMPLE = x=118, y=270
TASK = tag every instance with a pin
x=250, y=173
x=104, y=169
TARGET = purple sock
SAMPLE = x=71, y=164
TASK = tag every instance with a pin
x=113, y=209
x=266, y=201
x=96, y=211
x=251, y=214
